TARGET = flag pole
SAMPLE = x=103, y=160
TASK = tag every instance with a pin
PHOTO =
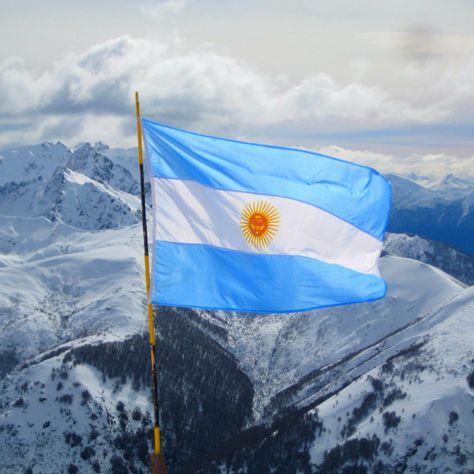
x=157, y=462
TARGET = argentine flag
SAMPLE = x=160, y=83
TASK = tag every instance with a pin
x=247, y=227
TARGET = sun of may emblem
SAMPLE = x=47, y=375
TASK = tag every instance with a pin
x=259, y=222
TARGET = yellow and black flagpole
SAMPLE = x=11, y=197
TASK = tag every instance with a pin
x=157, y=461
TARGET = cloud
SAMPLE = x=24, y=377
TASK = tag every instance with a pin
x=159, y=8
x=214, y=92
x=89, y=97
x=422, y=43
x=433, y=165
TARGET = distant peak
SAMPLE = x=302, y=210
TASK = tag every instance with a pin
x=100, y=146
x=97, y=146
x=82, y=146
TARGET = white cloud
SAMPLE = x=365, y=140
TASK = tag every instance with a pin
x=421, y=43
x=433, y=165
x=159, y=8
x=89, y=96
x=201, y=89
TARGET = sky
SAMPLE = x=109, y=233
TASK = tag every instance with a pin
x=389, y=84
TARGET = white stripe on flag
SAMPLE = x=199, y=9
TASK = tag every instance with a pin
x=189, y=212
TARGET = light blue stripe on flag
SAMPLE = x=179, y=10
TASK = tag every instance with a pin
x=202, y=276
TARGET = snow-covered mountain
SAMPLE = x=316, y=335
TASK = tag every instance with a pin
x=441, y=210
x=386, y=386
x=449, y=184
x=81, y=188
x=433, y=252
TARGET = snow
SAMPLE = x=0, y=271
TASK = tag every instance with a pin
x=60, y=283
x=42, y=424
x=125, y=157
x=441, y=389
x=71, y=268
x=30, y=162
x=275, y=350
x=410, y=245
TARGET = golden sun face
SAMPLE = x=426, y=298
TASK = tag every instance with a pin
x=259, y=222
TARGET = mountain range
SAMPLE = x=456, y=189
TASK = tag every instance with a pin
x=385, y=386
x=444, y=211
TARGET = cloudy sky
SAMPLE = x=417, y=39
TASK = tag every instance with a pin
x=390, y=83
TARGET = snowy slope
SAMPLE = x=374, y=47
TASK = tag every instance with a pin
x=438, y=254
x=55, y=419
x=452, y=186
x=443, y=211
x=92, y=161
x=72, y=313
x=277, y=351
x=72, y=276
x=53, y=190
x=30, y=163
x=431, y=413
x=60, y=283
x=401, y=403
